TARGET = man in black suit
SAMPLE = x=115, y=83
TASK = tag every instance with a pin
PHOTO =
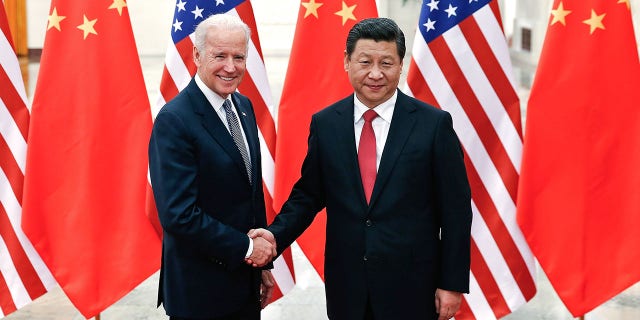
x=395, y=189
x=204, y=161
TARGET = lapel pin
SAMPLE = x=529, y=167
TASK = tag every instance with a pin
x=243, y=114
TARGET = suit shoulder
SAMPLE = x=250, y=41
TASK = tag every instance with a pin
x=176, y=104
x=427, y=108
x=337, y=107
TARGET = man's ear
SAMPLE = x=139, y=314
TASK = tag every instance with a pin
x=196, y=56
x=346, y=61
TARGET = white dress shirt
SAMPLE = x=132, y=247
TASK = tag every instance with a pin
x=380, y=124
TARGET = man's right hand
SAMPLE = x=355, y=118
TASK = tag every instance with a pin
x=263, y=235
x=263, y=252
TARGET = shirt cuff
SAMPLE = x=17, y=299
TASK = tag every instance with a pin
x=250, y=250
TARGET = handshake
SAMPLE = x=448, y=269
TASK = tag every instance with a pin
x=264, y=247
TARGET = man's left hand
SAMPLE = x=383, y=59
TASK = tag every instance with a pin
x=447, y=303
x=266, y=288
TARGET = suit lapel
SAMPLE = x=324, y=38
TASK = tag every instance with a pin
x=345, y=144
x=401, y=126
x=213, y=124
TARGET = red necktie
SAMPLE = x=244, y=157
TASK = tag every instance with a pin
x=367, y=154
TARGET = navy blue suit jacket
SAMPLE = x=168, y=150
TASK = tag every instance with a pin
x=206, y=205
x=412, y=238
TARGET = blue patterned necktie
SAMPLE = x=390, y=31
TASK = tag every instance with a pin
x=236, y=134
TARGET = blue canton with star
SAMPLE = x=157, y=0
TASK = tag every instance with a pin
x=189, y=13
x=438, y=16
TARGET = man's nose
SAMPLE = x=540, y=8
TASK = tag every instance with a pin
x=229, y=65
x=375, y=72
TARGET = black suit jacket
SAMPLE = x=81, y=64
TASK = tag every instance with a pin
x=206, y=205
x=414, y=236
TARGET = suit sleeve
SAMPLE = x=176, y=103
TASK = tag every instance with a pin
x=454, y=204
x=306, y=199
x=173, y=169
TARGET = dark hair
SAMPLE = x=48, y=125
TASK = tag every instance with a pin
x=377, y=29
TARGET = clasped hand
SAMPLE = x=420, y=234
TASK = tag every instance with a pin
x=264, y=247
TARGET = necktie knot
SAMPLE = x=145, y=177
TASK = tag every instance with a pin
x=369, y=115
x=226, y=105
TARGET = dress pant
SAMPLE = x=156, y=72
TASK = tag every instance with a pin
x=242, y=315
x=368, y=311
x=250, y=312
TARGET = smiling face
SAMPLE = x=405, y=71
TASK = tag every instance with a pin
x=223, y=60
x=374, y=70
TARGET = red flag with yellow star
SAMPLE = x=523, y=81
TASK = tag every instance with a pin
x=86, y=169
x=579, y=183
x=315, y=79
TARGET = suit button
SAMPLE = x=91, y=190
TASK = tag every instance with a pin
x=368, y=223
x=365, y=258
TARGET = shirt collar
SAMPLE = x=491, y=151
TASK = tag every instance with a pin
x=384, y=110
x=214, y=99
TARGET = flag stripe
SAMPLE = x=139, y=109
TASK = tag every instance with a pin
x=6, y=297
x=471, y=106
x=23, y=275
x=466, y=71
x=487, y=41
x=268, y=173
x=265, y=122
x=416, y=82
x=500, y=83
x=15, y=175
x=14, y=103
x=503, y=237
x=487, y=282
x=477, y=303
x=464, y=312
x=246, y=10
x=502, y=265
x=168, y=89
x=16, y=253
x=472, y=142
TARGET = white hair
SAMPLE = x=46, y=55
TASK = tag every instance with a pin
x=222, y=21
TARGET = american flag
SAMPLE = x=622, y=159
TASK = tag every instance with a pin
x=461, y=64
x=23, y=275
x=179, y=69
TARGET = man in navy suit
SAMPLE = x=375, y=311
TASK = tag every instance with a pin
x=394, y=185
x=204, y=161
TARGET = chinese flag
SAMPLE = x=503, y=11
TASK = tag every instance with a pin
x=85, y=180
x=578, y=201
x=315, y=79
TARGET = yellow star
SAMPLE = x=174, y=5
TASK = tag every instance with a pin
x=346, y=13
x=595, y=22
x=312, y=8
x=118, y=4
x=54, y=19
x=627, y=2
x=559, y=14
x=87, y=26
